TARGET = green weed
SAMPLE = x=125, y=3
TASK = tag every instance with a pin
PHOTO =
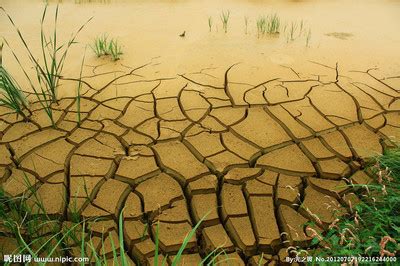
x=225, y=18
x=373, y=226
x=12, y=95
x=102, y=46
x=53, y=55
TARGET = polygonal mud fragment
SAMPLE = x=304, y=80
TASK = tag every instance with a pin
x=187, y=259
x=194, y=105
x=26, y=144
x=132, y=206
x=169, y=109
x=288, y=120
x=265, y=225
x=18, y=182
x=136, y=169
x=158, y=192
x=5, y=155
x=132, y=137
x=171, y=236
x=212, y=124
x=134, y=232
x=89, y=166
x=143, y=250
x=268, y=177
x=136, y=113
x=103, y=112
x=17, y=131
x=49, y=198
x=327, y=98
x=364, y=142
x=104, y=146
x=228, y=115
x=177, y=213
x=317, y=149
x=390, y=132
x=351, y=200
x=233, y=202
x=110, y=195
x=150, y=128
x=172, y=129
x=256, y=188
x=215, y=237
x=48, y=159
x=261, y=129
x=330, y=187
x=289, y=159
x=320, y=207
x=83, y=186
x=182, y=161
x=231, y=259
x=241, y=232
x=221, y=161
x=240, y=175
x=361, y=178
x=337, y=142
x=293, y=224
x=80, y=134
x=213, y=143
x=305, y=113
x=334, y=168
x=237, y=145
x=260, y=260
x=205, y=184
x=288, y=190
x=205, y=206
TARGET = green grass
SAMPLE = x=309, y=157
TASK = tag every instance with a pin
x=79, y=88
x=11, y=93
x=246, y=23
x=268, y=25
x=26, y=222
x=210, y=23
x=49, y=66
x=308, y=38
x=225, y=19
x=103, y=46
x=373, y=227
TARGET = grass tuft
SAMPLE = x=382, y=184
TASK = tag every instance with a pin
x=225, y=19
x=210, y=23
x=373, y=226
x=103, y=46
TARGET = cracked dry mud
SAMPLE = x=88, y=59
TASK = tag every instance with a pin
x=174, y=149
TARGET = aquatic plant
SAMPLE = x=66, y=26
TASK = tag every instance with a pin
x=115, y=49
x=225, y=18
x=210, y=22
x=246, y=22
x=308, y=37
x=273, y=24
x=268, y=25
x=261, y=25
x=102, y=46
x=78, y=96
x=53, y=54
x=12, y=96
